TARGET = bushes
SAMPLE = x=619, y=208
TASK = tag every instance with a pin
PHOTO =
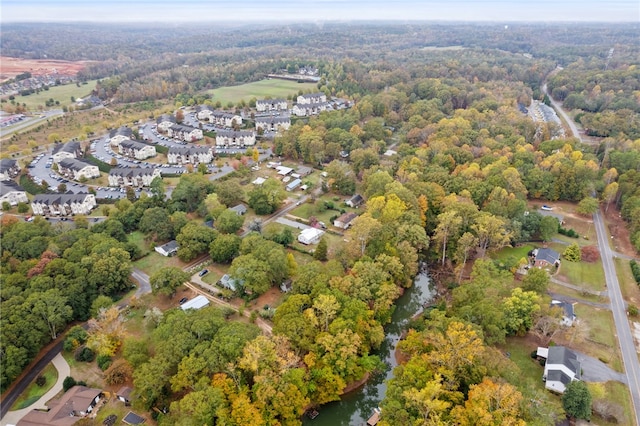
x=635, y=270
x=103, y=361
x=84, y=354
x=68, y=383
x=41, y=381
x=568, y=232
x=590, y=254
x=76, y=337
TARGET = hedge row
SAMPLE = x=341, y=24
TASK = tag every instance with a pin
x=102, y=166
x=635, y=270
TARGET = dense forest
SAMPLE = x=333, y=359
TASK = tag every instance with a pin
x=468, y=159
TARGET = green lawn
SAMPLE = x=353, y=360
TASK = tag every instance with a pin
x=318, y=210
x=273, y=88
x=600, y=340
x=513, y=252
x=618, y=394
x=33, y=391
x=137, y=238
x=588, y=275
x=62, y=94
x=630, y=290
x=154, y=261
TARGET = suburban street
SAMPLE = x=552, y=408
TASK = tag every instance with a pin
x=618, y=307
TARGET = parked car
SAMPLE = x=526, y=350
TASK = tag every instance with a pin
x=203, y=272
x=183, y=300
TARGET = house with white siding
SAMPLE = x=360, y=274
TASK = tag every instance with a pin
x=265, y=105
x=203, y=112
x=189, y=155
x=561, y=368
x=117, y=136
x=185, y=133
x=75, y=169
x=308, y=109
x=233, y=138
x=12, y=193
x=225, y=119
x=63, y=204
x=136, y=177
x=68, y=150
x=273, y=123
x=9, y=169
x=311, y=98
x=137, y=150
x=165, y=121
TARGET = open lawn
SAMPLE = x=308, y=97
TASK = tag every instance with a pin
x=630, y=290
x=273, y=88
x=595, y=335
x=137, y=238
x=516, y=253
x=154, y=261
x=62, y=94
x=556, y=288
x=617, y=394
x=33, y=391
x=588, y=275
x=319, y=210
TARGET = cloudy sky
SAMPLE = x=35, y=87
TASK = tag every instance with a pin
x=318, y=10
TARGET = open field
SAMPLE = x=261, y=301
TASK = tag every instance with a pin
x=154, y=261
x=595, y=335
x=33, y=391
x=62, y=94
x=588, y=275
x=12, y=67
x=630, y=290
x=273, y=88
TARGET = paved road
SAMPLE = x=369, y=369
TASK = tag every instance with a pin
x=561, y=111
x=625, y=338
x=143, y=281
x=12, y=417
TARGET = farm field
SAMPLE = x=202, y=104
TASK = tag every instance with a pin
x=57, y=93
x=273, y=88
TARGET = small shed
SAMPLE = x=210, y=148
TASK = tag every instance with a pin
x=283, y=171
x=240, y=209
x=355, y=201
x=124, y=394
x=196, y=303
x=293, y=185
x=168, y=249
x=259, y=181
x=344, y=220
x=310, y=236
x=304, y=171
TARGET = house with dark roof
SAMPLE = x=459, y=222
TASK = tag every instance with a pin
x=355, y=201
x=233, y=138
x=76, y=403
x=75, y=169
x=124, y=394
x=273, y=123
x=344, y=220
x=189, y=155
x=545, y=257
x=568, y=311
x=137, y=150
x=185, y=133
x=561, y=368
x=304, y=171
x=168, y=249
x=68, y=150
x=165, y=121
x=12, y=193
x=63, y=204
x=117, y=136
x=136, y=177
x=264, y=105
x=9, y=169
x=225, y=119
x=308, y=109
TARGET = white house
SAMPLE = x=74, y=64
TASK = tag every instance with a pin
x=196, y=303
x=312, y=98
x=305, y=110
x=185, y=133
x=229, y=283
x=165, y=121
x=310, y=236
x=68, y=150
x=136, y=177
x=568, y=312
x=117, y=136
x=265, y=105
x=76, y=169
x=137, y=150
x=189, y=155
x=355, y=201
x=168, y=249
x=225, y=119
x=232, y=138
x=63, y=204
x=562, y=367
x=273, y=123
x=8, y=169
x=344, y=220
x=12, y=193
x=203, y=112
x=293, y=184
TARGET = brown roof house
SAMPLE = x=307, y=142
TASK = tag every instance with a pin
x=76, y=403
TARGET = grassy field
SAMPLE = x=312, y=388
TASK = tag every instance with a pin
x=33, y=391
x=154, y=261
x=588, y=275
x=62, y=94
x=513, y=252
x=600, y=340
x=273, y=88
x=618, y=393
x=630, y=290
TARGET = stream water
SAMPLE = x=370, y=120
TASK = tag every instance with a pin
x=356, y=407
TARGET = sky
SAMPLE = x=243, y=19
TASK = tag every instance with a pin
x=318, y=10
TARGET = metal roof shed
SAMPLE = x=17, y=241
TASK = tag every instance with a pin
x=197, y=302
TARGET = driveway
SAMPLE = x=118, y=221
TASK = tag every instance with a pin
x=594, y=370
x=12, y=417
x=291, y=223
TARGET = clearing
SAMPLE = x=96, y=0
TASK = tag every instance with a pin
x=273, y=88
x=61, y=94
x=12, y=67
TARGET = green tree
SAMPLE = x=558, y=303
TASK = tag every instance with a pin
x=520, y=310
x=321, y=250
x=22, y=208
x=224, y=248
x=588, y=206
x=167, y=279
x=342, y=179
x=99, y=303
x=155, y=222
x=573, y=253
x=229, y=222
x=576, y=400
x=51, y=307
x=536, y=280
x=548, y=227
x=194, y=240
x=230, y=192
x=448, y=226
x=266, y=198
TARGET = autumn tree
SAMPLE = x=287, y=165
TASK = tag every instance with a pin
x=572, y=253
x=520, y=310
x=491, y=403
x=106, y=332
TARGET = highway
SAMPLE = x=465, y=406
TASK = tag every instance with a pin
x=618, y=307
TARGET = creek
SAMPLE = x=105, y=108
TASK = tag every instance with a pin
x=354, y=408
